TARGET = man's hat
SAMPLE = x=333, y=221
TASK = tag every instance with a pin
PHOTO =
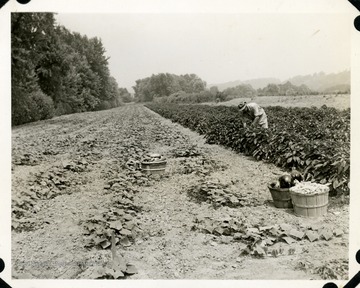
x=242, y=106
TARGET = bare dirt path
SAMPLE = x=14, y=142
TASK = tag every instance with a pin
x=66, y=164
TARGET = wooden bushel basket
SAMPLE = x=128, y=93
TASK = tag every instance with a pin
x=310, y=205
x=156, y=167
x=281, y=197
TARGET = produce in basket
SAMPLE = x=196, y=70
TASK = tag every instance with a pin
x=275, y=184
x=152, y=157
x=285, y=181
x=296, y=175
x=308, y=188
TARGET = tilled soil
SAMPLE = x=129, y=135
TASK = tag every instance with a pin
x=63, y=176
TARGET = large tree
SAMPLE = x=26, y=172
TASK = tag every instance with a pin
x=30, y=39
x=56, y=71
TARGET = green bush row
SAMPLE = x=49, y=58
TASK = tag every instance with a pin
x=315, y=141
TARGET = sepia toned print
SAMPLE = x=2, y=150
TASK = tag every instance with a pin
x=133, y=158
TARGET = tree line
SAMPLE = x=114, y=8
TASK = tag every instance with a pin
x=166, y=84
x=55, y=71
x=189, y=88
x=286, y=89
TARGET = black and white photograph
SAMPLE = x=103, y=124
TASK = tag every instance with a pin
x=183, y=144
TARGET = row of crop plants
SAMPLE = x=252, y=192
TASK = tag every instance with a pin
x=315, y=141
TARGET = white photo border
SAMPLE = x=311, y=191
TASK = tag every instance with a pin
x=171, y=6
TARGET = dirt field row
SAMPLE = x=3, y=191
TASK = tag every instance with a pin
x=70, y=171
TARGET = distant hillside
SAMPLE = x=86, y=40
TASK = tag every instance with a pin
x=286, y=88
x=255, y=83
x=320, y=82
x=342, y=88
x=323, y=82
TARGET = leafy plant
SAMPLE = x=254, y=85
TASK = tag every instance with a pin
x=117, y=268
x=219, y=194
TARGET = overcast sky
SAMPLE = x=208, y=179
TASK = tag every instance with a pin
x=218, y=47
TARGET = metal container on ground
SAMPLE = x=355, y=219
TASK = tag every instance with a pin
x=310, y=205
x=281, y=197
x=156, y=167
